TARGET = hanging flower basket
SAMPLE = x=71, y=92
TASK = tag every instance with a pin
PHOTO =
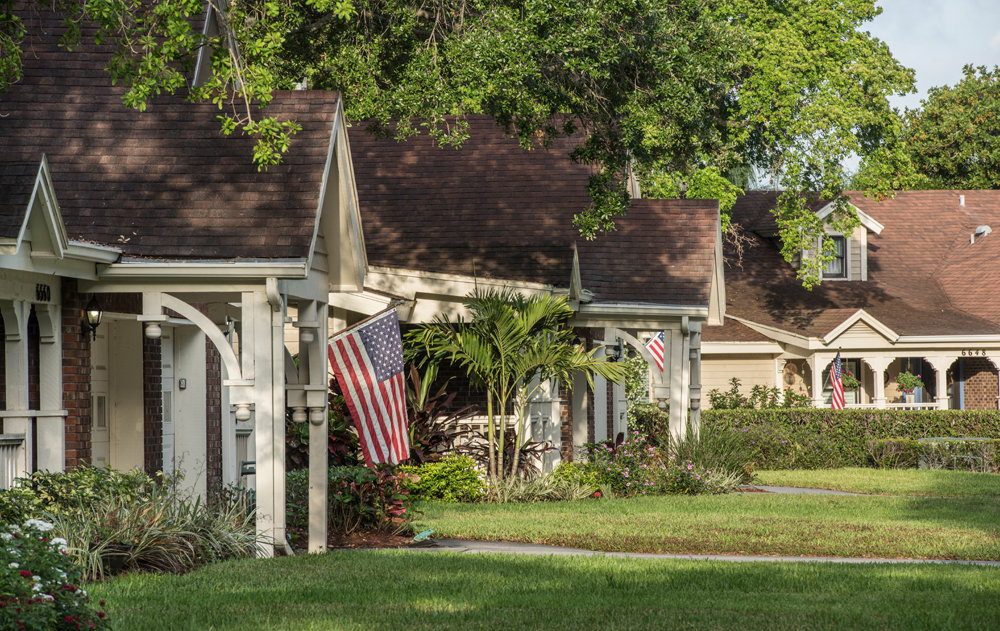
x=850, y=381
x=908, y=382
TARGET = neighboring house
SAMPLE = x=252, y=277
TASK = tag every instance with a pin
x=197, y=260
x=440, y=222
x=915, y=288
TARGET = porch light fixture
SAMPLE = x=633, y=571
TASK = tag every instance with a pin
x=92, y=318
x=616, y=355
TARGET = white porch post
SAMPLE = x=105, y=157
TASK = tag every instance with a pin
x=312, y=377
x=679, y=371
x=816, y=365
x=51, y=427
x=256, y=355
x=695, y=391
x=878, y=366
x=940, y=364
x=15, y=320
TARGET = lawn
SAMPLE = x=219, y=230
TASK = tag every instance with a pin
x=920, y=482
x=443, y=590
x=750, y=524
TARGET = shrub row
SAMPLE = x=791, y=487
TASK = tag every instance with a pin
x=358, y=498
x=807, y=438
x=955, y=453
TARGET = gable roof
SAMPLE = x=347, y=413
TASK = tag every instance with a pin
x=496, y=210
x=17, y=179
x=916, y=274
x=163, y=183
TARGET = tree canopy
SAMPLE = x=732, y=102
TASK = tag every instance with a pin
x=665, y=88
x=951, y=141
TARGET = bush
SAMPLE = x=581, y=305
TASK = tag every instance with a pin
x=358, y=498
x=79, y=489
x=842, y=437
x=714, y=451
x=680, y=477
x=893, y=453
x=961, y=455
x=576, y=473
x=542, y=489
x=651, y=422
x=760, y=397
x=39, y=585
x=453, y=479
x=627, y=467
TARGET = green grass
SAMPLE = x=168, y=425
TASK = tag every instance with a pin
x=922, y=482
x=758, y=523
x=443, y=591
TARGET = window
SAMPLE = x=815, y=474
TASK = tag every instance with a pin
x=837, y=268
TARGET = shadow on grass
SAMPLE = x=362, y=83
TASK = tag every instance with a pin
x=392, y=590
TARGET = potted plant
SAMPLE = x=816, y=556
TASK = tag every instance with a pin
x=850, y=381
x=907, y=382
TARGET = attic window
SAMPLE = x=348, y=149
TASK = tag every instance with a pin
x=837, y=268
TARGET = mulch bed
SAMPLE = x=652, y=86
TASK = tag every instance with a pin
x=750, y=490
x=360, y=539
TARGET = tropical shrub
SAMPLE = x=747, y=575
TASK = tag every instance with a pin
x=454, y=478
x=433, y=425
x=76, y=490
x=684, y=477
x=542, y=489
x=844, y=435
x=576, y=473
x=761, y=397
x=39, y=584
x=651, y=422
x=358, y=498
x=723, y=453
x=627, y=467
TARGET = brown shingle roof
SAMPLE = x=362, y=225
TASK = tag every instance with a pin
x=509, y=212
x=917, y=278
x=164, y=182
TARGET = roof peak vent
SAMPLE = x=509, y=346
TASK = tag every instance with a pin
x=981, y=231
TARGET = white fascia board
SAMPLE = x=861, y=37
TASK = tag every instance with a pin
x=408, y=283
x=948, y=339
x=861, y=315
x=93, y=252
x=780, y=335
x=326, y=183
x=43, y=193
x=365, y=303
x=737, y=348
x=644, y=311
x=866, y=220
x=206, y=270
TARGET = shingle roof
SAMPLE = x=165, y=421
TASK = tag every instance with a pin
x=16, y=182
x=509, y=212
x=918, y=269
x=164, y=182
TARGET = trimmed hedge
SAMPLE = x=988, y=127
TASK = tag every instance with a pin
x=820, y=438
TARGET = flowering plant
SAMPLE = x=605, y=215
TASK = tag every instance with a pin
x=907, y=382
x=685, y=477
x=39, y=585
x=627, y=467
x=850, y=381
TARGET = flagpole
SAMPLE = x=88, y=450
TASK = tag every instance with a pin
x=337, y=334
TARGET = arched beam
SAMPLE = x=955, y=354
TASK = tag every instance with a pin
x=639, y=346
x=210, y=329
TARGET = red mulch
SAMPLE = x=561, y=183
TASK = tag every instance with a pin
x=749, y=490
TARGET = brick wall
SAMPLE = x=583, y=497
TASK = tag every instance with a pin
x=213, y=414
x=76, y=375
x=566, y=423
x=152, y=405
x=980, y=383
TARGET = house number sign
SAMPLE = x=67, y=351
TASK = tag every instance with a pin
x=974, y=353
x=43, y=293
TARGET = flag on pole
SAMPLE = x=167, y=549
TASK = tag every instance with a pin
x=837, y=382
x=655, y=347
x=368, y=363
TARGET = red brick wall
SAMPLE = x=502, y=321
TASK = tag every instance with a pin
x=980, y=383
x=566, y=423
x=213, y=402
x=152, y=405
x=76, y=375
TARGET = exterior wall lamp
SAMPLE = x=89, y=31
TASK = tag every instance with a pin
x=92, y=318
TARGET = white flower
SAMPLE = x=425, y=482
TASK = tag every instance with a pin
x=37, y=587
x=6, y=536
x=60, y=543
x=48, y=597
x=38, y=524
x=36, y=578
x=14, y=565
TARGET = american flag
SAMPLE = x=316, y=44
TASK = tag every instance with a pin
x=368, y=364
x=655, y=347
x=837, y=382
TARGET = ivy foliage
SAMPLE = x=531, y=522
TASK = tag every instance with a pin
x=952, y=141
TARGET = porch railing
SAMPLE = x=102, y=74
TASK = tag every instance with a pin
x=895, y=406
x=10, y=449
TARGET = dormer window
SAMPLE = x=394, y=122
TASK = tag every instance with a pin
x=837, y=268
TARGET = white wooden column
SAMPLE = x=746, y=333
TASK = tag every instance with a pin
x=257, y=361
x=817, y=363
x=51, y=422
x=694, y=395
x=679, y=378
x=15, y=321
x=878, y=366
x=312, y=377
x=940, y=364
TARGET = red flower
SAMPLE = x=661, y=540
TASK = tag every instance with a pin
x=597, y=493
x=100, y=614
x=25, y=573
x=69, y=618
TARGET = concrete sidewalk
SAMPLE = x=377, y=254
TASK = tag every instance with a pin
x=505, y=547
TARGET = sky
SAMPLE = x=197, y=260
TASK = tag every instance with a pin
x=937, y=37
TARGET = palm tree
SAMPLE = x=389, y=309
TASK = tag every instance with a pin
x=510, y=347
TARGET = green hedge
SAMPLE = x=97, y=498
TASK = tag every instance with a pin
x=821, y=438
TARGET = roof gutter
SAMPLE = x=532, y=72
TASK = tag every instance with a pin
x=222, y=269
x=951, y=339
x=92, y=252
x=643, y=310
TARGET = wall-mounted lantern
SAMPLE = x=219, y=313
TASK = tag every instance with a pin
x=92, y=318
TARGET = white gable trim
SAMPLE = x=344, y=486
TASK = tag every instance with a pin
x=861, y=316
x=43, y=209
x=866, y=220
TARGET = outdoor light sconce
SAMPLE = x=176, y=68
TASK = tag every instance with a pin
x=93, y=318
x=616, y=355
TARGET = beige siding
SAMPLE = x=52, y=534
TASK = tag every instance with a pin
x=751, y=370
x=855, y=255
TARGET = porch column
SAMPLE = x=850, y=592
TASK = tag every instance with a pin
x=940, y=364
x=51, y=427
x=312, y=377
x=816, y=365
x=695, y=392
x=878, y=366
x=15, y=320
x=678, y=358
